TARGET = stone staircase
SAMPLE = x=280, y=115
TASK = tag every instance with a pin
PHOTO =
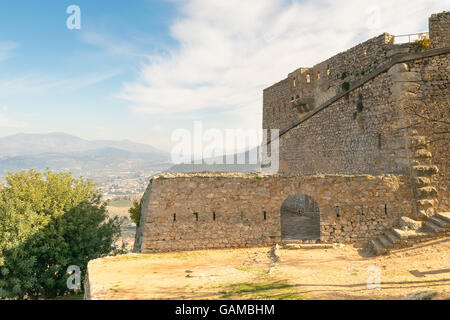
x=411, y=232
x=422, y=172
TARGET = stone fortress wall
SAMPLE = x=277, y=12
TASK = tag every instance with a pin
x=355, y=134
x=346, y=153
x=228, y=210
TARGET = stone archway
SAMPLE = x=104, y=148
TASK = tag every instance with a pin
x=300, y=218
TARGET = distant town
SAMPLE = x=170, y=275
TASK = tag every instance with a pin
x=116, y=185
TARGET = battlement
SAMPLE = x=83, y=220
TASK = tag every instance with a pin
x=336, y=117
x=305, y=89
x=440, y=29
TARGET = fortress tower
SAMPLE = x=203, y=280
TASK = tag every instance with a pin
x=338, y=117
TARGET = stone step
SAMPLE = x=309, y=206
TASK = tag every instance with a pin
x=377, y=246
x=420, y=171
x=434, y=227
x=426, y=214
x=444, y=216
x=421, y=181
x=422, y=154
x=440, y=222
x=425, y=203
x=393, y=237
x=419, y=142
x=387, y=243
x=426, y=192
x=428, y=225
x=402, y=235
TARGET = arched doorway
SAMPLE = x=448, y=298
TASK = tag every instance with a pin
x=300, y=218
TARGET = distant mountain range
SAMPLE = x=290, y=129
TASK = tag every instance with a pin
x=98, y=159
x=91, y=158
x=26, y=144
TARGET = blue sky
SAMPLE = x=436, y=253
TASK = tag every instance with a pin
x=140, y=69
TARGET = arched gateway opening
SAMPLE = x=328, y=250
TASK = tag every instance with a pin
x=300, y=218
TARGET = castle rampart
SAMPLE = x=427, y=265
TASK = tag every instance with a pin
x=226, y=210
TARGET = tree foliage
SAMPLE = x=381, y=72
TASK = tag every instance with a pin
x=135, y=212
x=47, y=223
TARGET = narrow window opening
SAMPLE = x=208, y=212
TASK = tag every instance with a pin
x=308, y=78
x=328, y=72
x=362, y=210
x=337, y=212
x=174, y=217
x=214, y=216
x=385, y=209
x=295, y=84
x=379, y=141
x=196, y=216
x=318, y=75
x=265, y=215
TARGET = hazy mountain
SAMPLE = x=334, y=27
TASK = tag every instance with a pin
x=98, y=158
x=63, y=152
x=28, y=144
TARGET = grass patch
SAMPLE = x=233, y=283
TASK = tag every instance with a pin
x=263, y=290
x=257, y=270
x=425, y=295
x=120, y=203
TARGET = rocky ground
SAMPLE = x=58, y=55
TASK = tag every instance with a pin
x=421, y=272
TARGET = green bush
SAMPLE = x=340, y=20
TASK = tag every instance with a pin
x=346, y=86
x=424, y=43
x=47, y=223
x=135, y=212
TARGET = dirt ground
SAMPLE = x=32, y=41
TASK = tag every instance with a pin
x=341, y=273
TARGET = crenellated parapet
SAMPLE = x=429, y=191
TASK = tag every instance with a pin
x=440, y=29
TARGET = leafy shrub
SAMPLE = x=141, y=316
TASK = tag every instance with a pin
x=47, y=223
x=346, y=86
x=344, y=75
x=423, y=43
x=135, y=212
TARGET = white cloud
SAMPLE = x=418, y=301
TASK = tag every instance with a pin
x=110, y=45
x=229, y=51
x=40, y=83
x=8, y=123
x=6, y=49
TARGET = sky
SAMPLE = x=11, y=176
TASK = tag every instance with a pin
x=141, y=69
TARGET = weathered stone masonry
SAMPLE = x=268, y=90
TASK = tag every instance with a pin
x=230, y=208
x=356, y=134
x=346, y=154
